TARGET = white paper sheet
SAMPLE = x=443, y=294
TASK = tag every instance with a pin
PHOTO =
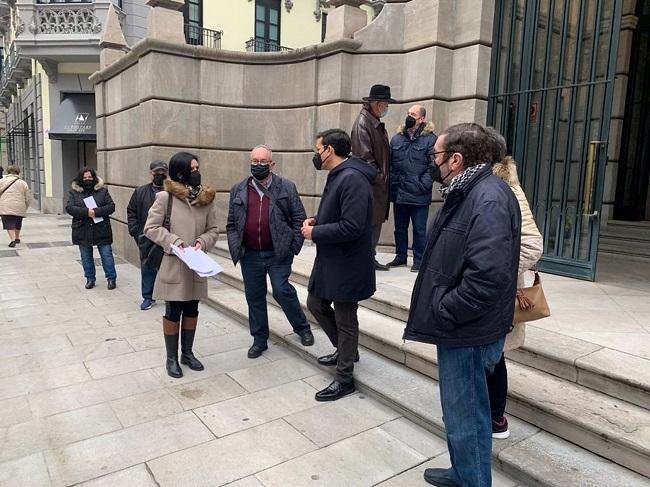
x=198, y=261
x=92, y=204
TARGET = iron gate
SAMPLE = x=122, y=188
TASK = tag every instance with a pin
x=551, y=90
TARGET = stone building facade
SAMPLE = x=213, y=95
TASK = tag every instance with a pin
x=438, y=53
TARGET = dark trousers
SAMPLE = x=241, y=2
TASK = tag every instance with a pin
x=175, y=309
x=418, y=216
x=88, y=262
x=148, y=279
x=255, y=265
x=376, y=233
x=497, y=383
x=341, y=326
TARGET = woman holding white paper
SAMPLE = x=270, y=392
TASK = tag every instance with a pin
x=90, y=205
x=192, y=223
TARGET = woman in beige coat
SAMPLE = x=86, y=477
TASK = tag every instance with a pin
x=14, y=202
x=193, y=223
x=530, y=252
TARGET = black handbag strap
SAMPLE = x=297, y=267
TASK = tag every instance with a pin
x=274, y=201
x=168, y=213
x=8, y=186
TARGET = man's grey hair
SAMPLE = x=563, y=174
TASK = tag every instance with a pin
x=264, y=146
x=471, y=140
x=498, y=144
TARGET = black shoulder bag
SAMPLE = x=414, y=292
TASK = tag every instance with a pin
x=273, y=200
x=155, y=254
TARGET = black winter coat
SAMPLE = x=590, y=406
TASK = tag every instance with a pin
x=286, y=236
x=344, y=269
x=84, y=230
x=136, y=212
x=465, y=291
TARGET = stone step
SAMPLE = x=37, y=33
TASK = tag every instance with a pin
x=600, y=423
x=575, y=360
x=531, y=456
x=632, y=248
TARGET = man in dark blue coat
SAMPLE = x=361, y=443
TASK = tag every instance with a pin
x=265, y=217
x=411, y=184
x=344, y=269
x=464, y=295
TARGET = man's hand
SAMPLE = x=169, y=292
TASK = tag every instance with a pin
x=91, y=212
x=309, y=222
x=197, y=245
x=307, y=230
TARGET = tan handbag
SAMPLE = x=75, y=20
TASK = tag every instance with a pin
x=530, y=302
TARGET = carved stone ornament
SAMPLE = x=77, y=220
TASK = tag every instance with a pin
x=51, y=69
x=20, y=25
x=288, y=4
x=317, y=13
x=65, y=20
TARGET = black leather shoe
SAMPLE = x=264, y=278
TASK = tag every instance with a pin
x=333, y=358
x=334, y=391
x=111, y=284
x=381, y=267
x=415, y=268
x=17, y=240
x=440, y=477
x=90, y=284
x=307, y=339
x=12, y=244
x=256, y=351
x=396, y=263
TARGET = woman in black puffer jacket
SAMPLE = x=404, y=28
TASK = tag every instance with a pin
x=92, y=226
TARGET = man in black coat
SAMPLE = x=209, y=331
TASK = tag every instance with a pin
x=464, y=295
x=344, y=269
x=136, y=213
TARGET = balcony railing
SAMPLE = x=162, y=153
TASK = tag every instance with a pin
x=65, y=18
x=200, y=36
x=256, y=45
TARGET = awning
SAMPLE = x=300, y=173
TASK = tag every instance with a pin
x=75, y=118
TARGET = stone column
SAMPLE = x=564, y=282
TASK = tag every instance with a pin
x=346, y=19
x=112, y=43
x=165, y=20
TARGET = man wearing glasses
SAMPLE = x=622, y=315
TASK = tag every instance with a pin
x=265, y=217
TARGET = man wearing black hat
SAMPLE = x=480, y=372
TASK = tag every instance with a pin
x=137, y=211
x=370, y=142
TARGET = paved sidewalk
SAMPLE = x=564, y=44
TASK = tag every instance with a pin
x=85, y=400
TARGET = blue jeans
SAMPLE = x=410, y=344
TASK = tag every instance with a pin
x=466, y=410
x=148, y=280
x=418, y=216
x=88, y=263
x=255, y=265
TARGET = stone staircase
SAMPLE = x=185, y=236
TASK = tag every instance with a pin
x=626, y=238
x=579, y=412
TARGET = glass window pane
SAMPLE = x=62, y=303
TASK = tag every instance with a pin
x=259, y=29
x=274, y=33
x=260, y=13
x=274, y=16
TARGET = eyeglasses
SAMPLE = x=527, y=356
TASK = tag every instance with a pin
x=260, y=162
x=434, y=154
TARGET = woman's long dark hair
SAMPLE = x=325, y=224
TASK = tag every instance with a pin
x=180, y=166
x=80, y=177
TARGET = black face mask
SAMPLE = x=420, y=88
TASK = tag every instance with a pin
x=194, y=179
x=260, y=171
x=409, y=123
x=88, y=184
x=436, y=173
x=318, y=161
x=159, y=179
